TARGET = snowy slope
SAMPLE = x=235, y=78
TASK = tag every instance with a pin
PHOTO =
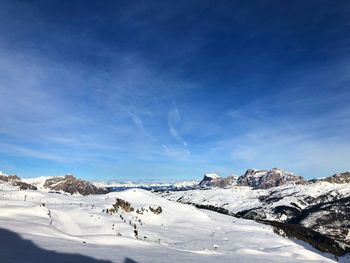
x=239, y=198
x=180, y=233
x=321, y=206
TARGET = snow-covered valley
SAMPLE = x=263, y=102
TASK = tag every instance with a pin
x=37, y=226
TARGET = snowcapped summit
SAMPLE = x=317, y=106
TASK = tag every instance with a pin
x=72, y=185
x=264, y=179
x=213, y=180
x=208, y=178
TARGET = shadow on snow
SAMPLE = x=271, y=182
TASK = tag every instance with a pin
x=15, y=249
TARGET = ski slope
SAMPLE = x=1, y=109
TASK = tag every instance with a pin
x=77, y=229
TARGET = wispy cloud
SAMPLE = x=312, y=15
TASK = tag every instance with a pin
x=45, y=119
x=138, y=122
x=16, y=150
x=161, y=101
x=174, y=119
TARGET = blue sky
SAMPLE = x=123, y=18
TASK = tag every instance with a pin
x=173, y=89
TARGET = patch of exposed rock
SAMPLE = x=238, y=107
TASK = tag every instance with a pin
x=156, y=210
x=126, y=207
x=121, y=204
x=72, y=185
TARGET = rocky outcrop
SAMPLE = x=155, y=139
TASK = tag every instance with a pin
x=263, y=179
x=72, y=185
x=16, y=181
x=120, y=204
x=156, y=210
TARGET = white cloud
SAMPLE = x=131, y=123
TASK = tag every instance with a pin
x=174, y=119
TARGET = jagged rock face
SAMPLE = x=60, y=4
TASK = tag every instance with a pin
x=16, y=181
x=262, y=179
x=251, y=178
x=213, y=180
x=70, y=184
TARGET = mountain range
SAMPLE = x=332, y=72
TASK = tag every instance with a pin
x=316, y=211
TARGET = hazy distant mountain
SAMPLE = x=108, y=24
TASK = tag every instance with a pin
x=145, y=184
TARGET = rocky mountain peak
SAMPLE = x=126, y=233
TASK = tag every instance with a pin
x=208, y=178
x=16, y=181
x=214, y=180
x=72, y=185
x=264, y=179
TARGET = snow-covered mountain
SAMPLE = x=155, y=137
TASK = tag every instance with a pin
x=14, y=180
x=208, y=179
x=214, y=180
x=70, y=184
x=315, y=211
x=261, y=179
x=321, y=205
x=64, y=184
x=133, y=226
